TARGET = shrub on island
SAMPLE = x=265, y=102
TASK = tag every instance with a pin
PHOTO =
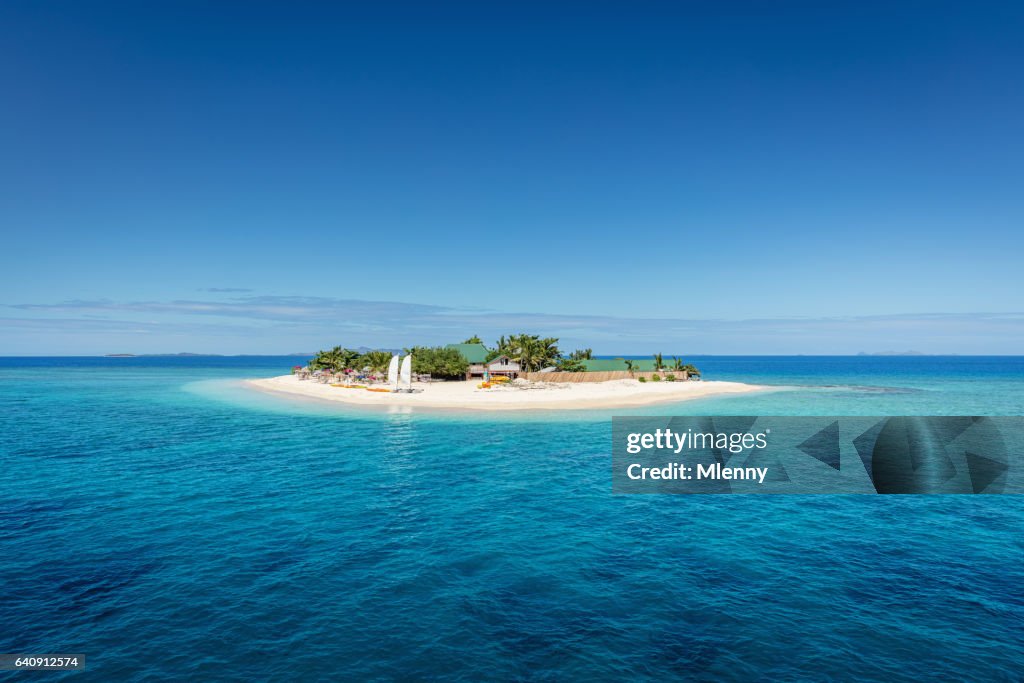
x=670, y=377
x=655, y=378
x=438, y=362
x=641, y=379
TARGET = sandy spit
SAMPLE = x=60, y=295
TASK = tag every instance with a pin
x=538, y=396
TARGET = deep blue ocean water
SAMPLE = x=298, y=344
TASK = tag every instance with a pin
x=171, y=524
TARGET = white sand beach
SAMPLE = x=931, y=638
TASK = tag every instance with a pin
x=531, y=396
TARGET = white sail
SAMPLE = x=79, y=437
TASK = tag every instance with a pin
x=406, y=372
x=392, y=378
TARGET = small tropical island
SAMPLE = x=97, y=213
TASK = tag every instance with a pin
x=518, y=372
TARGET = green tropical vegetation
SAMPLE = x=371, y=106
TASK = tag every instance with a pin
x=376, y=360
x=438, y=362
x=531, y=351
x=676, y=366
x=337, y=359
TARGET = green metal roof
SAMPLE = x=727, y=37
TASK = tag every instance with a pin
x=613, y=364
x=473, y=353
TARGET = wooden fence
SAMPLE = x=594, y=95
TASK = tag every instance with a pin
x=597, y=376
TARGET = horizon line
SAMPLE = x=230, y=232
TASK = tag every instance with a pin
x=598, y=355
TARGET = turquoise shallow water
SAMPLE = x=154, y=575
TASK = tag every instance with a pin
x=168, y=523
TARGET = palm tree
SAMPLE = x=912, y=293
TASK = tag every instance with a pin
x=676, y=363
x=377, y=361
x=530, y=350
x=349, y=359
x=629, y=366
x=547, y=352
x=525, y=349
x=335, y=359
x=658, y=362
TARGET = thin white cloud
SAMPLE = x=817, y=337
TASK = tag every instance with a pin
x=269, y=323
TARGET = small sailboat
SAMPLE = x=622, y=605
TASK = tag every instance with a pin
x=392, y=378
x=405, y=374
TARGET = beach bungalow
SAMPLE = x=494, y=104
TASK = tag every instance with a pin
x=476, y=356
x=502, y=366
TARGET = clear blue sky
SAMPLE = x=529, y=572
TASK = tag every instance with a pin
x=708, y=177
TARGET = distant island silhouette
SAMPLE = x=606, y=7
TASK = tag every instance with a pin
x=894, y=353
